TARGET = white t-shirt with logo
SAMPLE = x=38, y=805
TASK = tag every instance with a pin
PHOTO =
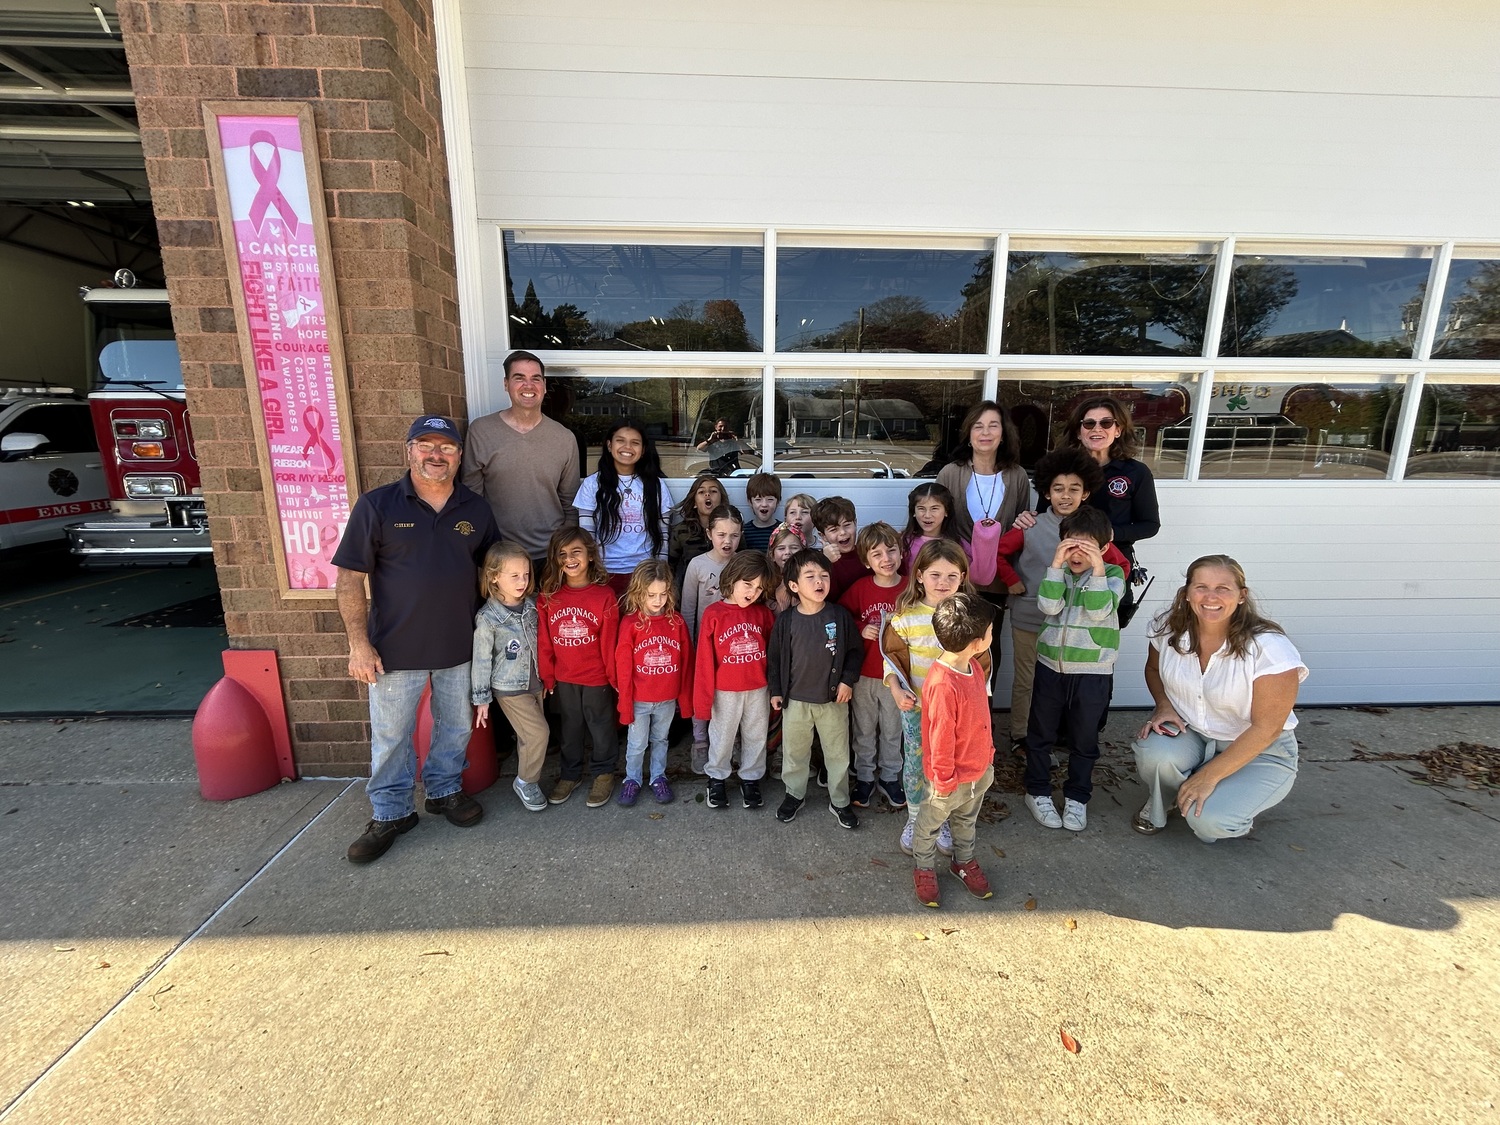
x=631, y=546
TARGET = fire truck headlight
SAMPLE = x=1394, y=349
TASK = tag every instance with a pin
x=141, y=487
x=158, y=428
x=147, y=449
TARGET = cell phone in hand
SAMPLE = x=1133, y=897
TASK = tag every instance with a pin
x=1171, y=729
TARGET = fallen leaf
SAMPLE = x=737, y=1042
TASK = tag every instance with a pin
x=879, y=862
x=104, y=964
x=1071, y=923
x=655, y=815
x=1069, y=1043
x=920, y=936
x=1030, y=904
x=1457, y=966
x=435, y=953
x=1002, y=974
x=809, y=877
x=1295, y=848
x=947, y=930
x=997, y=851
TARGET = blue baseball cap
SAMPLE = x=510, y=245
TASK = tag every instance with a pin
x=436, y=424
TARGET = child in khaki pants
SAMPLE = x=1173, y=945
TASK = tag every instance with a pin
x=957, y=745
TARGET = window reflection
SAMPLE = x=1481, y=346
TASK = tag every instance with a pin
x=679, y=410
x=869, y=424
x=1458, y=432
x=1323, y=307
x=1106, y=304
x=1160, y=407
x=1297, y=431
x=865, y=300
x=631, y=297
x=1469, y=326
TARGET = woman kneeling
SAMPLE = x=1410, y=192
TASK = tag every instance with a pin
x=1219, y=744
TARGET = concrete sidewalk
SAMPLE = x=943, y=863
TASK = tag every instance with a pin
x=166, y=959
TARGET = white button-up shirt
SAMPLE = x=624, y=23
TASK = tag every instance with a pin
x=1216, y=702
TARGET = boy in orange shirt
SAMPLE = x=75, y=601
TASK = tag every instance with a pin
x=958, y=748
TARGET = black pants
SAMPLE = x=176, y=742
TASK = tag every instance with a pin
x=591, y=709
x=996, y=598
x=1083, y=699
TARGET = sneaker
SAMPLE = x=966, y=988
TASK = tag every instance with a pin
x=661, y=789
x=788, y=808
x=895, y=793
x=906, y=835
x=1044, y=810
x=563, y=790
x=378, y=837
x=1075, y=815
x=531, y=794
x=700, y=759
x=970, y=876
x=925, y=880
x=844, y=815
x=1142, y=822
x=601, y=789
x=459, y=808
x=822, y=777
x=750, y=794
x=718, y=795
x=630, y=789
x=945, y=839
x=861, y=793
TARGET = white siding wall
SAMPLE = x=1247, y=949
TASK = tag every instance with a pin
x=1362, y=118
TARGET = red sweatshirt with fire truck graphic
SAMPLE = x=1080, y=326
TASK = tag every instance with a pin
x=575, y=640
x=731, y=652
x=653, y=663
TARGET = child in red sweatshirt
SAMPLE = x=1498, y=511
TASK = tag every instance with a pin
x=654, y=675
x=729, y=685
x=957, y=744
x=578, y=618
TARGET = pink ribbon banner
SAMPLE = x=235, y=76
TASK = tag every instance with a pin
x=280, y=273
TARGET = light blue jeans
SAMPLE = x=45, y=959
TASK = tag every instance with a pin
x=1163, y=763
x=652, y=722
x=393, y=720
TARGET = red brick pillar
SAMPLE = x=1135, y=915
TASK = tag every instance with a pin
x=369, y=70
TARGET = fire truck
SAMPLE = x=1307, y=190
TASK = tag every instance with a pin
x=139, y=412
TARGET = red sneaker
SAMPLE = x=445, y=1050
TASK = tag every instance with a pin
x=925, y=879
x=973, y=878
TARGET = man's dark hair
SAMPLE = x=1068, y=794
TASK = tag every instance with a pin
x=1087, y=521
x=518, y=356
x=961, y=620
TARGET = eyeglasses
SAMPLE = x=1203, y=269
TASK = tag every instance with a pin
x=1097, y=423
x=428, y=448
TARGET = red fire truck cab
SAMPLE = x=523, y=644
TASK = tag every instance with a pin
x=140, y=417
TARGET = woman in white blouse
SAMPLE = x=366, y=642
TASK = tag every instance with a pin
x=1219, y=745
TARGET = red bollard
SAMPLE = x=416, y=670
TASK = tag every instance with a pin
x=232, y=744
x=484, y=767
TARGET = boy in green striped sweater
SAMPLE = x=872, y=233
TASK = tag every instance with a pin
x=1075, y=665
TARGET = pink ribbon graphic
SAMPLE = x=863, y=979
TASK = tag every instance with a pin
x=268, y=177
x=312, y=421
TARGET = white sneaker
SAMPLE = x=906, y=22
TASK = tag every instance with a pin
x=1075, y=815
x=1045, y=811
x=906, y=836
x=945, y=839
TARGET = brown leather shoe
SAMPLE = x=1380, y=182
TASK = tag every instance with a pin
x=460, y=809
x=600, y=790
x=563, y=790
x=378, y=838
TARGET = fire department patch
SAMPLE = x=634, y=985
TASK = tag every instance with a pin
x=1119, y=486
x=464, y=527
x=62, y=481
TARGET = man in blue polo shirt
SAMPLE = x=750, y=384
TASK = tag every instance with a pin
x=420, y=541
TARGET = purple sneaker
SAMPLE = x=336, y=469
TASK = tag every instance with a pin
x=663, y=790
x=629, y=792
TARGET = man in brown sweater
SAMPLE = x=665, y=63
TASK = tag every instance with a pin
x=524, y=464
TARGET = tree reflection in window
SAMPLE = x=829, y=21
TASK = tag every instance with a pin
x=1458, y=432
x=1469, y=326
x=631, y=297
x=1060, y=303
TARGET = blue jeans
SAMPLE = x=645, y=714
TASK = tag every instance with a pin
x=393, y=720
x=652, y=721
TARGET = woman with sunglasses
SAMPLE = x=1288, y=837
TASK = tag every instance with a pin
x=1101, y=427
